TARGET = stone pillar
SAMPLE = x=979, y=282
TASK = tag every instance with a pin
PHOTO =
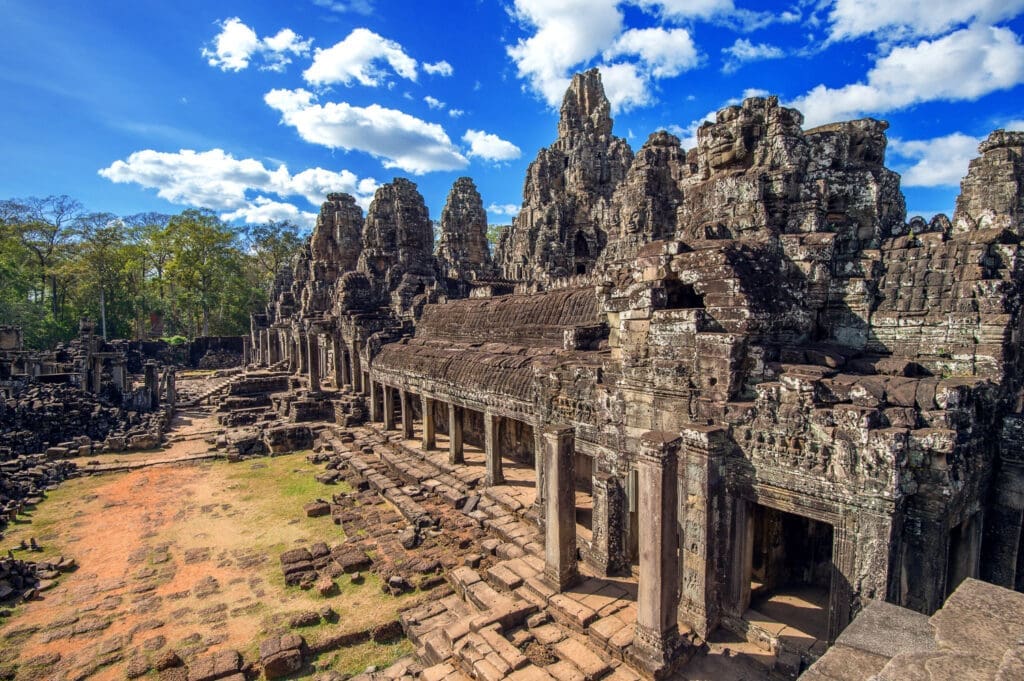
x=313, y=360
x=408, y=427
x=97, y=374
x=389, y=408
x=357, y=371
x=560, y=522
x=338, y=352
x=246, y=351
x=344, y=365
x=152, y=384
x=700, y=514
x=607, y=552
x=429, y=439
x=303, y=352
x=492, y=449
x=656, y=640
x=455, y=451
x=374, y=409
x=118, y=373
x=172, y=389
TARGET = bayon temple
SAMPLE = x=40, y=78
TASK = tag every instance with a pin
x=720, y=374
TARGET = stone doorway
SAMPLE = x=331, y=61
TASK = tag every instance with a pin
x=964, y=552
x=583, y=482
x=790, y=574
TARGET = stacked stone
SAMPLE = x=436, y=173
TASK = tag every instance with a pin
x=992, y=194
x=334, y=249
x=398, y=245
x=566, y=214
x=462, y=250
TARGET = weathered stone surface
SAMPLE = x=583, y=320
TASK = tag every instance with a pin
x=991, y=194
x=462, y=249
x=565, y=218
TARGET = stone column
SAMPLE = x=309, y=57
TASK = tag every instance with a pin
x=344, y=366
x=389, y=408
x=357, y=371
x=492, y=449
x=246, y=351
x=560, y=522
x=338, y=351
x=152, y=384
x=374, y=409
x=97, y=374
x=429, y=439
x=313, y=360
x=656, y=640
x=607, y=553
x=303, y=352
x=408, y=427
x=118, y=373
x=172, y=389
x=455, y=451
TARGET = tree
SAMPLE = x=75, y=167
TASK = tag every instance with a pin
x=102, y=257
x=44, y=227
x=271, y=245
x=204, y=257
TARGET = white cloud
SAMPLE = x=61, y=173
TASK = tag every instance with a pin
x=490, y=147
x=963, y=65
x=664, y=52
x=278, y=47
x=237, y=45
x=441, y=68
x=216, y=179
x=939, y=162
x=743, y=51
x=233, y=47
x=343, y=6
x=508, y=209
x=566, y=34
x=718, y=11
x=569, y=34
x=625, y=87
x=261, y=209
x=896, y=19
x=400, y=140
x=433, y=102
x=455, y=113
x=359, y=58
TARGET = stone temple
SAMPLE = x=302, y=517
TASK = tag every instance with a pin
x=722, y=377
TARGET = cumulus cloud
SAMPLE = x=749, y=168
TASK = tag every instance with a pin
x=237, y=45
x=360, y=57
x=344, y=6
x=718, y=11
x=938, y=162
x=566, y=34
x=215, y=179
x=441, y=68
x=743, y=51
x=455, y=113
x=895, y=19
x=398, y=139
x=569, y=34
x=433, y=102
x=262, y=209
x=509, y=209
x=987, y=59
x=664, y=52
x=490, y=147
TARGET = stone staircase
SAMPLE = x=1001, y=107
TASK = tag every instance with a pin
x=218, y=387
x=502, y=621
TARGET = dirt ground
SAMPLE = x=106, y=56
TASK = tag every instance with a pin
x=179, y=556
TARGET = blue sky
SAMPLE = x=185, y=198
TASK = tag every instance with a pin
x=257, y=109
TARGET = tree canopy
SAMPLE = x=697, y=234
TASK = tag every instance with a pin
x=188, y=274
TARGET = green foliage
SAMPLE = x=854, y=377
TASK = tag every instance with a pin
x=494, y=233
x=175, y=340
x=199, y=275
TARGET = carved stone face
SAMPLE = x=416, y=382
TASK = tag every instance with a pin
x=731, y=139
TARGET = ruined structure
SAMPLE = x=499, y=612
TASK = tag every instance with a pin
x=725, y=374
